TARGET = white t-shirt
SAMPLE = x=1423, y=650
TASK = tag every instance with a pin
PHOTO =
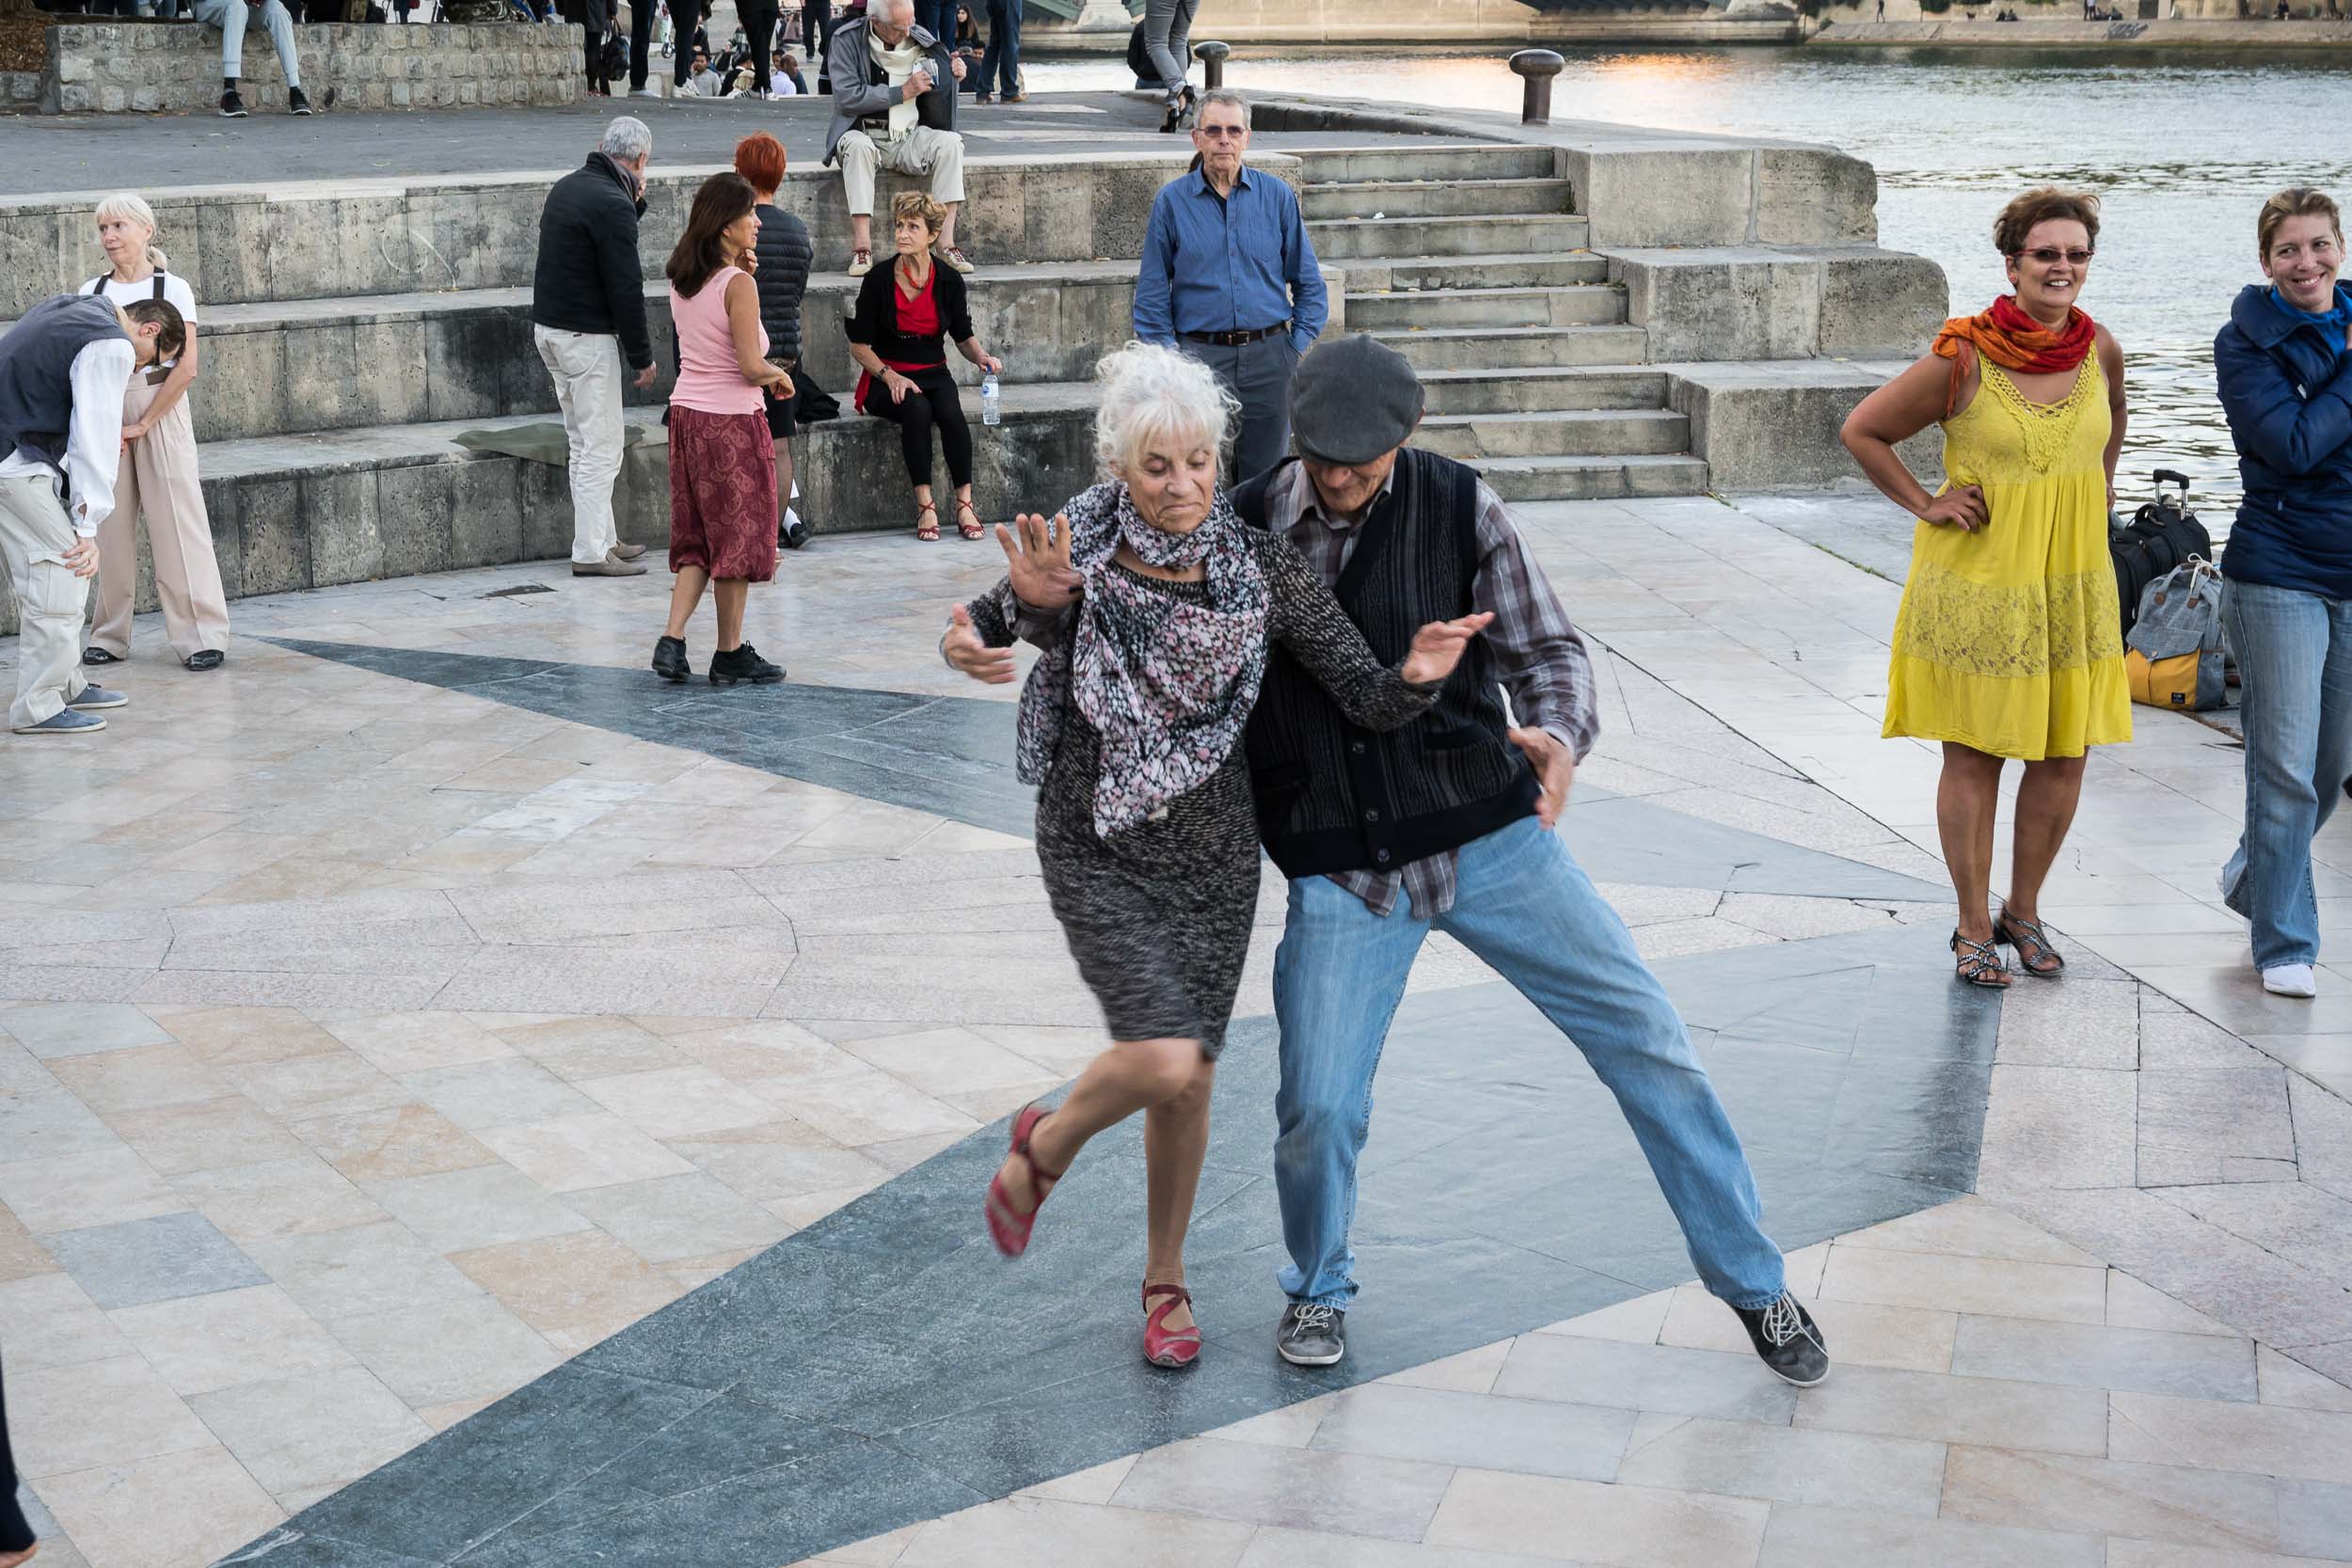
x=176, y=294
x=782, y=85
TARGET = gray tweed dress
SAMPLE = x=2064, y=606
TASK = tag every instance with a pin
x=1158, y=915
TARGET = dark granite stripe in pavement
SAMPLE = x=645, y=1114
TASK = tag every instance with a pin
x=885, y=1366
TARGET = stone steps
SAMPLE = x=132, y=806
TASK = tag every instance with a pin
x=1464, y=348
x=1538, y=388
x=1577, y=305
x=1403, y=198
x=1589, y=479
x=1537, y=270
x=1492, y=234
x=1488, y=161
x=1554, y=432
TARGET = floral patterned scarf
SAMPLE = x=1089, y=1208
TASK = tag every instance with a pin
x=1167, y=682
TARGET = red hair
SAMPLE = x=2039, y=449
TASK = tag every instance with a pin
x=759, y=158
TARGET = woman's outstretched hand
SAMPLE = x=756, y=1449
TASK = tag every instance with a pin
x=964, y=650
x=1437, y=647
x=1040, y=564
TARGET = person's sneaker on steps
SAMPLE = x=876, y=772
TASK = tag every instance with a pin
x=65, y=720
x=669, y=660
x=97, y=697
x=737, y=665
x=231, y=106
x=1788, y=1341
x=611, y=566
x=1310, y=1335
x=296, y=103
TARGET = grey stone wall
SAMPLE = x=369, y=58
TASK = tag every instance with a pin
x=175, y=67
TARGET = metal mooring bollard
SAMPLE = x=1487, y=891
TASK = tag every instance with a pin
x=1539, y=66
x=1211, y=57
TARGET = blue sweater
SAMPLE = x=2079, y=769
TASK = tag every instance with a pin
x=2288, y=393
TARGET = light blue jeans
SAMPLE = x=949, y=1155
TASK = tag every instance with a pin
x=2294, y=665
x=233, y=17
x=1526, y=908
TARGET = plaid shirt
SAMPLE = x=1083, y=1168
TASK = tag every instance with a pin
x=1540, y=658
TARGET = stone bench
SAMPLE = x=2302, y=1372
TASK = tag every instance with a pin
x=109, y=66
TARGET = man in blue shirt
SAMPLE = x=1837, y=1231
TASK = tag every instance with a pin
x=1228, y=276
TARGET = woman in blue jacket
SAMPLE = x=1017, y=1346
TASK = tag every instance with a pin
x=2285, y=363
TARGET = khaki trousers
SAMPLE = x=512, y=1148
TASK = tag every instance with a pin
x=35, y=533
x=157, y=477
x=921, y=150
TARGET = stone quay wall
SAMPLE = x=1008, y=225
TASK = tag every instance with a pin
x=1342, y=23
x=174, y=68
x=2048, y=26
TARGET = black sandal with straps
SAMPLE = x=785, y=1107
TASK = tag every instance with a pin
x=2033, y=947
x=1980, y=962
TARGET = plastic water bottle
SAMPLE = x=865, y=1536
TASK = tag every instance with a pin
x=991, y=413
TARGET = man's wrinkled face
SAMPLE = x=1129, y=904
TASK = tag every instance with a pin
x=1347, y=488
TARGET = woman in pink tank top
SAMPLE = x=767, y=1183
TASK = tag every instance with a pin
x=722, y=464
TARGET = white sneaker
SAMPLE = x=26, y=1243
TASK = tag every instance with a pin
x=646, y=92
x=2290, y=980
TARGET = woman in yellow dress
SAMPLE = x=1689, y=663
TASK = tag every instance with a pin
x=2009, y=642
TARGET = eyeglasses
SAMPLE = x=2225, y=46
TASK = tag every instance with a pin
x=1220, y=132
x=2051, y=255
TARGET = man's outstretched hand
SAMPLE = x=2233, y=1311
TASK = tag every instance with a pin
x=1555, y=771
x=1040, y=564
x=967, y=653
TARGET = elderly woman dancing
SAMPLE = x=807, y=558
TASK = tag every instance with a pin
x=1131, y=723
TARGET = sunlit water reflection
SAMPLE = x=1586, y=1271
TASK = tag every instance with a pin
x=2184, y=151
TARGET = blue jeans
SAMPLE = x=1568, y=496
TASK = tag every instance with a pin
x=2295, y=664
x=1002, y=63
x=1526, y=908
x=937, y=18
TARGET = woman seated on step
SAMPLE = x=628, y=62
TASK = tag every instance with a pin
x=906, y=313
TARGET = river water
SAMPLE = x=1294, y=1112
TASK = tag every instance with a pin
x=2182, y=149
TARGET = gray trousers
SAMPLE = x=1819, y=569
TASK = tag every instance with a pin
x=35, y=533
x=1168, y=38
x=1259, y=375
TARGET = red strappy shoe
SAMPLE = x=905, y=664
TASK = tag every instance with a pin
x=1163, y=1346
x=1008, y=1227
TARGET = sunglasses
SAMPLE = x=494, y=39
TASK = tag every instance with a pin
x=1220, y=132
x=2051, y=255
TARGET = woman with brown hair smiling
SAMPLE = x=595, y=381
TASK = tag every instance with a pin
x=2009, y=642
x=722, y=462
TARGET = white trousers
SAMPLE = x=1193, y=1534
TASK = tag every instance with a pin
x=921, y=150
x=157, y=477
x=35, y=533
x=588, y=380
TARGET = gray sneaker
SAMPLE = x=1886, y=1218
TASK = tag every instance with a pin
x=65, y=720
x=1311, y=1336
x=611, y=566
x=628, y=552
x=98, y=696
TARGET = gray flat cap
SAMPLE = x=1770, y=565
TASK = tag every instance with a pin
x=1352, y=399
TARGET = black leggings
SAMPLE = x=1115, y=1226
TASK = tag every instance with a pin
x=16, y=1532
x=934, y=402
x=759, y=24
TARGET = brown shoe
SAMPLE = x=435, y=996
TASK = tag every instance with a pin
x=628, y=552
x=611, y=566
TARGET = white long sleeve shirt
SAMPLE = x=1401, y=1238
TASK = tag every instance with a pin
x=100, y=376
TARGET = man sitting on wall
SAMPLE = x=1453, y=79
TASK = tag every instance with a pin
x=233, y=17
x=894, y=106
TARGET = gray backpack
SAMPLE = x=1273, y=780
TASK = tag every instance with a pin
x=2175, y=647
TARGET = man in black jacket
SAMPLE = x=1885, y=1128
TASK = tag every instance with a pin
x=588, y=313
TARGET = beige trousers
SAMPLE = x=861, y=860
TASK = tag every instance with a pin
x=157, y=477
x=921, y=150
x=35, y=533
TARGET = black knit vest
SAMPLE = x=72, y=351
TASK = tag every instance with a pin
x=1335, y=796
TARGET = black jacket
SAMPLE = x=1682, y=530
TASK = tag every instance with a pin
x=785, y=255
x=876, y=324
x=588, y=279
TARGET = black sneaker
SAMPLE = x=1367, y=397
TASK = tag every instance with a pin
x=296, y=103
x=1311, y=1336
x=206, y=659
x=669, y=660
x=793, y=537
x=743, y=664
x=231, y=106
x=94, y=655
x=1788, y=1341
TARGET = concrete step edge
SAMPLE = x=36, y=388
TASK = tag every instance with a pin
x=1529, y=291
x=1632, y=460
x=1543, y=182
x=1547, y=415
x=1465, y=217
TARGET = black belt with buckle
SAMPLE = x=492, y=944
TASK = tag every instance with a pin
x=1234, y=340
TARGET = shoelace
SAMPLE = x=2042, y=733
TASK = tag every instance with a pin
x=1781, y=1321
x=1312, y=1318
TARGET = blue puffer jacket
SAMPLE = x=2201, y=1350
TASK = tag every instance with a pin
x=2288, y=394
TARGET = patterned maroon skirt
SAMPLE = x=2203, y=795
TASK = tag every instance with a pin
x=723, y=494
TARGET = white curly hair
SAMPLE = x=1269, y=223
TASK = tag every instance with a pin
x=1152, y=393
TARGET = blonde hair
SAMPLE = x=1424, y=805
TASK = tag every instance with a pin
x=129, y=206
x=1148, y=392
x=2296, y=201
x=919, y=206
